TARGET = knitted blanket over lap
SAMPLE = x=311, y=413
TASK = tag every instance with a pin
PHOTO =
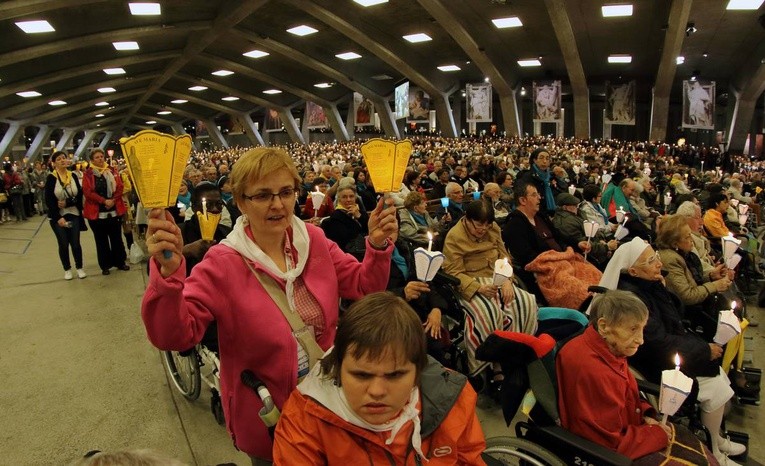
x=564, y=277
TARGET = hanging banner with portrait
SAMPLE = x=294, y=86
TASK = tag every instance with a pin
x=419, y=106
x=620, y=103
x=315, y=117
x=273, y=120
x=363, y=109
x=479, y=102
x=547, y=101
x=699, y=104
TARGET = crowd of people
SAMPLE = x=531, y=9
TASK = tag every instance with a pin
x=303, y=227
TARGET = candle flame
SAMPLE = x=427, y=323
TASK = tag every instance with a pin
x=430, y=236
x=677, y=359
x=506, y=261
x=733, y=305
x=317, y=188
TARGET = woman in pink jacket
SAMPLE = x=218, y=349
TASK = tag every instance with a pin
x=253, y=332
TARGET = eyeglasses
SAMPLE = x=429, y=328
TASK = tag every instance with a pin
x=480, y=226
x=265, y=197
x=651, y=260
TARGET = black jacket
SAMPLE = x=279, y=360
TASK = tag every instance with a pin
x=343, y=229
x=397, y=281
x=52, y=201
x=665, y=335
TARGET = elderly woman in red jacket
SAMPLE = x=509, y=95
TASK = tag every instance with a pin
x=104, y=208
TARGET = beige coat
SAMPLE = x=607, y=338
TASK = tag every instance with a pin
x=468, y=258
x=680, y=279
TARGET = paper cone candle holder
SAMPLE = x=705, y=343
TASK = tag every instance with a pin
x=427, y=263
x=156, y=162
x=675, y=388
x=728, y=327
x=734, y=202
x=386, y=162
x=732, y=263
x=730, y=245
x=207, y=224
x=621, y=232
x=743, y=209
x=742, y=219
x=444, y=202
x=572, y=189
x=620, y=214
x=317, y=199
x=476, y=195
x=503, y=271
x=606, y=178
x=590, y=229
x=667, y=199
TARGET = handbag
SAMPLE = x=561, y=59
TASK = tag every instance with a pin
x=16, y=189
x=300, y=330
x=3, y=198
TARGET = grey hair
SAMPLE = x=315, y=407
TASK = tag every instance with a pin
x=451, y=187
x=617, y=306
x=688, y=209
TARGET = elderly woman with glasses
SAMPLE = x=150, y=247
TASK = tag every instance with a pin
x=636, y=267
x=270, y=257
x=472, y=248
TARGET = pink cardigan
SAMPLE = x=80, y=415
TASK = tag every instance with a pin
x=253, y=333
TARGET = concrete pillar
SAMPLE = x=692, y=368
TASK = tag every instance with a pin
x=66, y=138
x=387, y=119
x=252, y=132
x=350, y=121
x=743, y=114
x=444, y=115
x=673, y=43
x=508, y=104
x=105, y=140
x=304, y=128
x=291, y=126
x=178, y=131
x=9, y=139
x=457, y=111
x=215, y=134
x=40, y=141
x=83, y=148
x=336, y=122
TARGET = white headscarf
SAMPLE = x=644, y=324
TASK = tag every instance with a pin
x=623, y=258
x=240, y=242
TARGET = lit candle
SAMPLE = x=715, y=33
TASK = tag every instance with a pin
x=204, y=207
x=430, y=241
x=677, y=362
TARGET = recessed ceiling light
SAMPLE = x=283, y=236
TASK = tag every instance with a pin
x=164, y=112
x=609, y=11
x=99, y=115
x=114, y=71
x=255, y=54
x=419, y=37
x=366, y=3
x=56, y=102
x=178, y=101
x=302, y=30
x=272, y=91
x=620, y=59
x=680, y=60
x=151, y=122
x=102, y=104
x=509, y=22
x=223, y=73
x=35, y=27
x=129, y=45
x=381, y=77
x=322, y=85
x=230, y=98
x=529, y=62
x=705, y=55
x=106, y=90
x=145, y=9
x=28, y=94
x=348, y=55
x=449, y=68
x=197, y=88
x=744, y=4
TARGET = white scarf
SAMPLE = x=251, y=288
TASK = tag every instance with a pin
x=624, y=258
x=111, y=185
x=322, y=389
x=241, y=243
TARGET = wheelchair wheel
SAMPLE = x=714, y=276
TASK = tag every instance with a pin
x=516, y=451
x=184, y=371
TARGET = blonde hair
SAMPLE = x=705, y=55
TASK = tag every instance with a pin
x=256, y=164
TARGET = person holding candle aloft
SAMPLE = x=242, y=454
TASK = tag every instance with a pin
x=269, y=247
x=472, y=248
x=636, y=267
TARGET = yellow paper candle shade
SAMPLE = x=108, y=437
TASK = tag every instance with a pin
x=386, y=162
x=156, y=162
x=207, y=225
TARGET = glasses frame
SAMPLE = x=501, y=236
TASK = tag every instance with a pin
x=284, y=195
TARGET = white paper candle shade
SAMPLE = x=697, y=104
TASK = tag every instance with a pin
x=733, y=261
x=572, y=189
x=734, y=202
x=606, y=178
x=742, y=219
x=444, y=202
x=427, y=263
x=667, y=199
x=503, y=271
x=675, y=388
x=728, y=327
x=317, y=198
x=730, y=246
x=620, y=215
x=621, y=232
x=743, y=209
x=590, y=229
x=747, y=194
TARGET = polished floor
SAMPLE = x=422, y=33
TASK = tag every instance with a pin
x=80, y=375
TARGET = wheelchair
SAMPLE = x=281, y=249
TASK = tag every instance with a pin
x=185, y=370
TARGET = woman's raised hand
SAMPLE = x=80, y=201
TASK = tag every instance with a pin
x=164, y=235
x=382, y=223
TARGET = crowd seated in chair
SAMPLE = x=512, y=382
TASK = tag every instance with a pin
x=415, y=221
x=454, y=211
x=636, y=267
x=570, y=229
